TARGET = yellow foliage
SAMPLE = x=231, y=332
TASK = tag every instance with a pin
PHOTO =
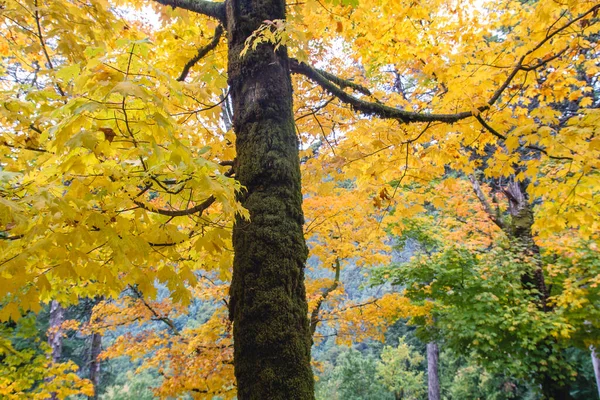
x=117, y=175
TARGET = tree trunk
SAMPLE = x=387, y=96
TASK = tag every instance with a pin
x=433, y=380
x=596, y=364
x=57, y=317
x=520, y=229
x=553, y=390
x=55, y=339
x=268, y=300
x=95, y=349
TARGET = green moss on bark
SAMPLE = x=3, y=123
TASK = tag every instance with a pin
x=522, y=222
x=268, y=301
x=521, y=229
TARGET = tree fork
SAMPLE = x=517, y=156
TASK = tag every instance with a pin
x=268, y=301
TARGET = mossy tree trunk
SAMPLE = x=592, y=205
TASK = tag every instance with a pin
x=268, y=302
x=521, y=230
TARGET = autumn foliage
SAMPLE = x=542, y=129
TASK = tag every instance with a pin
x=469, y=129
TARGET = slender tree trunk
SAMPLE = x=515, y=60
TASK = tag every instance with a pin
x=433, y=380
x=94, y=362
x=596, y=364
x=268, y=302
x=57, y=317
x=95, y=349
x=55, y=340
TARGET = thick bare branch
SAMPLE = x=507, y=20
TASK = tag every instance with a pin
x=201, y=53
x=372, y=108
x=344, y=83
x=387, y=112
x=178, y=213
x=210, y=9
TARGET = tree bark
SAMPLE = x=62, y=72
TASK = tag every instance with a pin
x=596, y=364
x=520, y=229
x=433, y=380
x=57, y=317
x=95, y=349
x=268, y=302
x=55, y=339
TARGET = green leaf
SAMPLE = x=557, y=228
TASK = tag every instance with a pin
x=68, y=72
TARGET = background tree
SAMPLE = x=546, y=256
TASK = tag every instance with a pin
x=398, y=371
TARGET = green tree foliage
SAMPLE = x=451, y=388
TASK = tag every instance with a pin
x=130, y=386
x=354, y=377
x=25, y=368
x=399, y=371
x=480, y=306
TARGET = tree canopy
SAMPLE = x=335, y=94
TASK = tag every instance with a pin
x=138, y=136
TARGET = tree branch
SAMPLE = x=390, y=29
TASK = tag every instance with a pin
x=15, y=237
x=344, y=83
x=532, y=67
x=371, y=108
x=26, y=148
x=210, y=9
x=386, y=112
x=203, y=51
x=40, y=36
x=178, y=213
x=529, y=146
x=168, y=321
x=314, y=315
x=486, y=205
